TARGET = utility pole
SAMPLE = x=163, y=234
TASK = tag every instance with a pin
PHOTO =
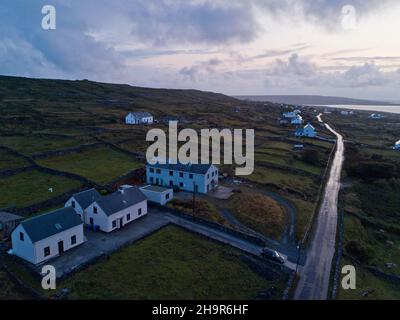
x=298, y=256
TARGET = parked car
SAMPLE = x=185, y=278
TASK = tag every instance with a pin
x=272, y=255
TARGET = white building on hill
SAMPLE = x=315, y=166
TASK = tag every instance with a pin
x=308, y=131
x=141, y=117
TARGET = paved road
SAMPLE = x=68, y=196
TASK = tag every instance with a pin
x=315, y=275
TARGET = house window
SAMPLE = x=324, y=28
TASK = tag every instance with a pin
x=191, y=176
x=158, y=170
x=46, y=251
x=171, y=173
x=21, y=236
x=151, y=179
x=212, y=174
x=181, y=184
x=95, y=210
x=114, y=224
x=73, y=240
x=208, y=176
x=167, y=196
x=171, y=183
x=152, y=170
x=139, y=211
x=180, y=174
x=91, y=221
x=73, y=204
x=128, y=217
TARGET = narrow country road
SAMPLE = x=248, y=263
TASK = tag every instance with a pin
x=315, y=275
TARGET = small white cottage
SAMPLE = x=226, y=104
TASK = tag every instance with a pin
x=112, y=212
x=141, y=117
x=46, y=236
x=158, y=194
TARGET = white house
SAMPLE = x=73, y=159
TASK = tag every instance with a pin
x=80, y=201
x=200, y=178
x=158, y=194
x=140, y=117
x=308, y=131
x=344, y=113
x=397, y=145
x=46, y=236
x=289, y=115
x=376, y=116
x=112, y=212
x=298, y=120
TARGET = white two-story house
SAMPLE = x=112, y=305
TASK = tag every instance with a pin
x=200, y=178
x=112, y=212
x=46, y=236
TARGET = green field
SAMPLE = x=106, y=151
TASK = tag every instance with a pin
x=170, y=264
x=366, y=282
x=259, y=212
x=101, y=164
x=9, y=161
x=27, y=188
x=284, y=180
x=9, y=290
x=29, y=145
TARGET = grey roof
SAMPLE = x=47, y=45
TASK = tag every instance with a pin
x=141, y=114
x=119, y=200
x=191, y=168
x=44, y=226
x=6, y=217
x=155, y=188
x=87, y=197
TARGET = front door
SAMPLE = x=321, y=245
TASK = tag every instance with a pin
x=61, y=247
x=121, y=223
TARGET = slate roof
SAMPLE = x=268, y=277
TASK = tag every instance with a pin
x=118, y=200
x=191, y=168
x=140, y=114
x=309, y=125
x=6, y=217
x=87, y=197
x=49, y=224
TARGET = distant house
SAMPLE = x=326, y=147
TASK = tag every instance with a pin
x=82, y=200
x=344, y=113
x=141, y=117
x=376, y=116
x=46, y=236
x=289, y=115
x=397, y=145
x=158, y=194
x=298, y=120
x=308, y=131
x=200, y=178
x=8, y=222
x=112, y=212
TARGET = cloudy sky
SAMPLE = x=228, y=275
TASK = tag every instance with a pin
x=329, y=47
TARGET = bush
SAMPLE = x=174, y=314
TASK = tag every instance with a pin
x=372, y=170
x=358, y=251
x=311, y=156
